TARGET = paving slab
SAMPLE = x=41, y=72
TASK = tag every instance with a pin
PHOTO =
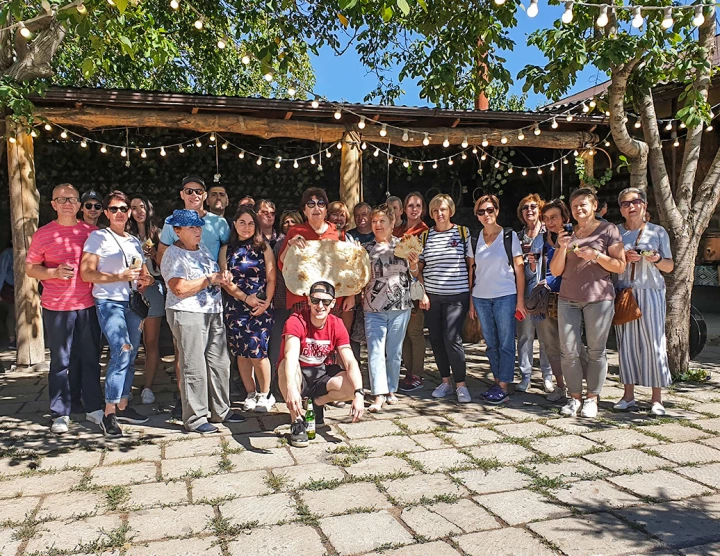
x=180, y=468
x=423, y=423
x=496, y=480
x=298, y=475
x=266, y=510
x=503, y=452
x=17, y=509
x=436, y=548
x=76, y=458
x=675, y=432
x=628, y=460
x=264, y=459
x=8, y=544
x=472, y=436
x=594, y=534
x=178, y=521
x=70, y=505
x=178, y=547
x=706, y=474
x=284, y=539
x=578, y=425
x=479, y=417
x=413, y=489
x=688, y=452
x=344, y=498
x=193, y=447
x=15, y=466
x=710, y=424
x=564, y=446
x=503, y=542
x=37, y=485
x=428, y=441
x=713, y=442
x=382, y=445
x=440, y=460
x=357, y=533
x=156, y=494
x=622, y=439
x=595, y=496
x=365, y=429
x=526, y=430
x=129, y=473
x=571, y=469
x=248, y=483
x=57, y=534
x=466, y=514
x=710, y=549
x=661, y=485
x=428, y=524
x=375, y=467
x=145, y=452
x=521, y=506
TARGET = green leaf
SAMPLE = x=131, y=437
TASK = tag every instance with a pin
x=423, y=4
x=404, y=7
x=387, y=13
x=121, y=5
x=88, y=68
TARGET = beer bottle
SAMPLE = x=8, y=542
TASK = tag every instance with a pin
x=310, y=420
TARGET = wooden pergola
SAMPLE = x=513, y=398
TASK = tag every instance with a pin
x=94, y=109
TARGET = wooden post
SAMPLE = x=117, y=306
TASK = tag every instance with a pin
x=24, y=216
x=351, y=171
x=589, y=166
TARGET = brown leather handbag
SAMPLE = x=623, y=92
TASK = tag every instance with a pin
x=626, y=307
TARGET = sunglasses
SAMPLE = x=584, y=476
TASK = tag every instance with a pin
x=123, y=209
x=90, y=206
x=482, y=212
x=317, y=301
x=63, y=200
x=190, y=191
x=320, y=203
x=636, y=202
x=532, y=206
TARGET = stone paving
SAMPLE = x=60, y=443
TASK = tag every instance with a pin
x=423, y=477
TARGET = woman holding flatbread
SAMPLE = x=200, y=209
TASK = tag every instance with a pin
x=386, y=305
x=413, y=349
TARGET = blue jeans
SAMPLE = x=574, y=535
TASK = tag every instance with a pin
x=497, y=317
x=384, y=333
x=121, y=327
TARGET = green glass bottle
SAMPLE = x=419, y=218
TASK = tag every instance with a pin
x=310, y=420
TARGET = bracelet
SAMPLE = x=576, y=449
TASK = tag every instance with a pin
x=209, y=281
x=414, y=269
x=597, y=256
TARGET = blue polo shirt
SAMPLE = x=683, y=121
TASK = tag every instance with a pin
x=215, y=233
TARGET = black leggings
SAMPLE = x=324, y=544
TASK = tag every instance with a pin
x=444, y=320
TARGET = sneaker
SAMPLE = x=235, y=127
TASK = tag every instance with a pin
x=570, y=409
x=463, y=394
x=110, y=426
x=130, y=416
x=489, y=391
x=410, y=383
x=233, y=417
x=590, y=408
x=557, y=395
x=622, y=405
x=264, y=402
x=523, y=385
x=657, y=409
x=60, y=424
x=298, y=433
x=250, y=402
x=548, y=385
x=496, y=396
x=443, y=390
x=147, y=397
x=392, y=399
x=95, y=416
x=206, y=428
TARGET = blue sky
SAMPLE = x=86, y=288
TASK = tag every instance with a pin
x=344, y=78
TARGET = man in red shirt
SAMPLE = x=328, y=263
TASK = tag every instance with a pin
x=310, y=337
x=71, y=324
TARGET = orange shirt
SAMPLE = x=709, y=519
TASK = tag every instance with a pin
x=416, y=230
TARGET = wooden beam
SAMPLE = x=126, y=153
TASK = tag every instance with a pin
x=194, y=110
x=455, y=123
x=24, y=215
x=288, y=115
x=94, y=118
x=350, y=171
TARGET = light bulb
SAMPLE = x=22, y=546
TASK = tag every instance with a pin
x=699, y=18
x=24, y=31
x=676, y=143
x=241, y=154
x=566, y=161
x=143, y=154
x=363, y=146
x=312, y=160
x=245, y=59
x=504, y=140
x=682, y=125
x=212, y=137
x=521, y=136
x=576, y=153
x=450, y=161
x=567, y=16
x=668, y=127
x=406, y=164
x=524, y=172
x=463, y=156
x=258, y=161
x=181, y=149
x=291, y=91
x=328, y=154
x=338, y=114
x=123, y=153
x=268, y=77
x=405, y=136
x=602, y=19
x=510, y=170
x=225, y=146
x=537, y=130
x=198, y=143
x=532, y=10
x=390, y=160
x=221, y=44
x=83, y=144
x=483, y=157
x=592, y=103
x=64, y=134
x=709, y=128
x=277, y=164
x=552, y=167
x=198, y=24
x=377, y=152
x=315, y=103
x=667, y=21
x=497, y=164
x=162, y=151
x=464, y=143
x=339, y=145
x=12, y=140
x=554, y=124
x=103, y=149
x=426, y=140
x=435, y=165
x=421, y=167
x=295, y=164
x=446, y=142
x=637, y=20
x=607, y=143
x=383, y=130
x=638, y=125
x=569, y=118
x=81, y=9
x=539, y=171
x=474, y=150
x=585, y=108
x=361, y=123
x=174, y=4
x=48, y=127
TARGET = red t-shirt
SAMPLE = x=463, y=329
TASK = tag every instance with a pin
x=305, y=230
x=53, y=245
x=402, y=230
x=316, y=344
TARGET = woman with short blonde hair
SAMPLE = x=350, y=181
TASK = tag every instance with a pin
x=339, y=215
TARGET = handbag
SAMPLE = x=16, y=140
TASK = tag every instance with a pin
x=626, y=307
x=417, y=290
x=137, y=302
x=472, y=330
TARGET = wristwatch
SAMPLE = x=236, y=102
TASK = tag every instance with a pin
x=360, y=391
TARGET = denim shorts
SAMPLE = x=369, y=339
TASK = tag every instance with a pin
x=155, y=295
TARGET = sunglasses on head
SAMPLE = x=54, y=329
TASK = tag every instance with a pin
x=320, y=203
x=531, y=206
x=317, y=301
x=96, y=206
x=481, y=212
x=636, y=202
x=123, y=209
x=190, y=191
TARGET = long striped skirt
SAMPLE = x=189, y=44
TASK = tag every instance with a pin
x=641, y=343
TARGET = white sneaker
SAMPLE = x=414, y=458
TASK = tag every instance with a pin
x=60, y=424
x=657, y=409
x=463, y=394
x=147, y=397
x=443, y=390
x=95, y=416
x=557, y=394
x=523, y=385
x=590, y=408
x=622, y=405
x=548, y=384
x=264, y=402
x=250, y=402
x=570, y=409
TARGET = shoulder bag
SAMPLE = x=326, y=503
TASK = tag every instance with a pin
x=137, y=302
x=626, y=307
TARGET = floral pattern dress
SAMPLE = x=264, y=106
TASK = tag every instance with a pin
x=248, y=336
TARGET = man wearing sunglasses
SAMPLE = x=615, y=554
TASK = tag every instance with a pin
x=91, y=207
x=309, y=338
x=215, y=232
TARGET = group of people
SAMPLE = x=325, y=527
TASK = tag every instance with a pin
x=218, y=281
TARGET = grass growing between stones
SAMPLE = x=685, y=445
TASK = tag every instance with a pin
x=226, y=530
x=276, y=482
x=116, y=496
x=305, y=516
x=111, y=540
x=225, y=465
x=345, y=456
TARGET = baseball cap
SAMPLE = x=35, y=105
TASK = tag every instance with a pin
x=323, y=287
x=92, y=194
x=192, y=179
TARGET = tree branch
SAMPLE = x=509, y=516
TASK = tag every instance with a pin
x=38, y=61
x=708, y=195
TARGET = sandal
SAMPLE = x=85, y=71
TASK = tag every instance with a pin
x=392, y=399
x=377, y=406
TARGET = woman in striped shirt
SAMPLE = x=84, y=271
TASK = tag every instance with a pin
x=444, y=265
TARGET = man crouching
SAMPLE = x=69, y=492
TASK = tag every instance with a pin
x=309, y=339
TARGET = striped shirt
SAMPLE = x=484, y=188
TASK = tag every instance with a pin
x=53, y=245
x=445, y=271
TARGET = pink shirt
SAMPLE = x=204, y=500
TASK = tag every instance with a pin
x=53, y=245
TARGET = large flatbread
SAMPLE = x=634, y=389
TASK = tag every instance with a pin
x=344, y=264
x=408, y=244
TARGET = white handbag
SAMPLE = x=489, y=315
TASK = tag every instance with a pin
x=417, y=290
